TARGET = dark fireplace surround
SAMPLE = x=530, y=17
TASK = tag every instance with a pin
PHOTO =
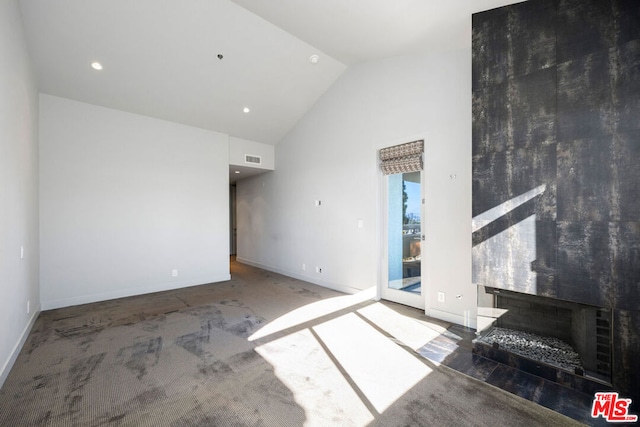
x=556, y=106
x=588, y=329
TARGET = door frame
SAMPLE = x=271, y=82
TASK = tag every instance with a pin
x=382, y=291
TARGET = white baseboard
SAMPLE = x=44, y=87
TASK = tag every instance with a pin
x=6, y=368
x=122, y=293
x=314, y=280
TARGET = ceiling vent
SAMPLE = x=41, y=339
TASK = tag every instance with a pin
x=254, y=160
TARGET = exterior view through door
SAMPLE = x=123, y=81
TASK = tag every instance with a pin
x=403, y=211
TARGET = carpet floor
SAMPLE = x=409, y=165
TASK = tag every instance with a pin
x=259, y=350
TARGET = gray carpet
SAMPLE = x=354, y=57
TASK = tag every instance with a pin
x=259, y=350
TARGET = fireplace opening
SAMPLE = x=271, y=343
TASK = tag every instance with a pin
x=572, y=337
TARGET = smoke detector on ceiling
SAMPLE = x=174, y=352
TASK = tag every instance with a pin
x=314, y=59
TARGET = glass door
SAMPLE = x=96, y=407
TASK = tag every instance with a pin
x=402, y=278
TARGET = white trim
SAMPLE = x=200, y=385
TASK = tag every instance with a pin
x=122, y=293
x=335, y=286
x=6, y=368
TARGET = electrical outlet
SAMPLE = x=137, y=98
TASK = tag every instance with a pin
x=174, y=273
x=304, y=267
x=318, y=270
x=21, y=252
x=440, y=296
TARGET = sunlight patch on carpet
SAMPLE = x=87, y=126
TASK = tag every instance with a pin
x=411, y=332
x=302, y=365
x=312, y=311
x=382, y=370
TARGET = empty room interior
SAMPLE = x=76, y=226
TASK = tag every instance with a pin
x=350, y=213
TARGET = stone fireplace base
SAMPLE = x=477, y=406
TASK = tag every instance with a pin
x=582, y=383
x=549, y=350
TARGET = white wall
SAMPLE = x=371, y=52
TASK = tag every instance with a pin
x=125, y=199
x=19, y=280
x=331, y=156
x=238, y=147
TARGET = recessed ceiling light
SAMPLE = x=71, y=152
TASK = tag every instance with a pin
x=314, y=59
x=237, y=171
x=96, y=65
x=246, y=110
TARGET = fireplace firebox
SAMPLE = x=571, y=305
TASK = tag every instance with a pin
x=555, y=326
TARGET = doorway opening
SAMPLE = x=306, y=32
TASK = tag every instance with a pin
x=402, y=249
x=404, y=238
x=233, y=227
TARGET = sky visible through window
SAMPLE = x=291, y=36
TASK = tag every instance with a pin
x=413, y=199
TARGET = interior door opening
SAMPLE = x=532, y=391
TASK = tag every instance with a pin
x=233, y=228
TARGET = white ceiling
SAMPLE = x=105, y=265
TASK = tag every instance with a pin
x=160, y=56
x=354, y=31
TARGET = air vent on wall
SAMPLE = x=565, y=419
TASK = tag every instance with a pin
x=254, y=160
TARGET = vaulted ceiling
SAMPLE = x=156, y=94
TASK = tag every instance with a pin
x=201, y=62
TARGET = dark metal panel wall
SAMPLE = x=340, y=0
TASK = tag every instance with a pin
x=556, y=102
